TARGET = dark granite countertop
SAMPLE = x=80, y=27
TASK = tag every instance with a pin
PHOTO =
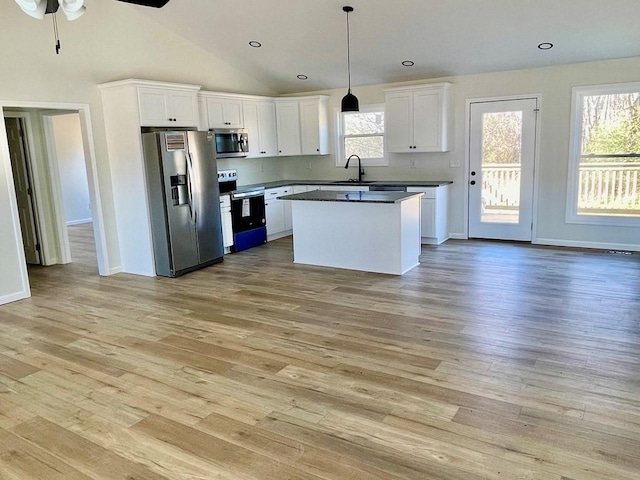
x=359, y=197
x=287, y=183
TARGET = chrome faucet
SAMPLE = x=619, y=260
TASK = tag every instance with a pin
x=360, y=169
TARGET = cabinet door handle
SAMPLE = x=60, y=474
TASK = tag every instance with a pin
x=472, y=182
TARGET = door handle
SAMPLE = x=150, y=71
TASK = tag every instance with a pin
x=189, y=187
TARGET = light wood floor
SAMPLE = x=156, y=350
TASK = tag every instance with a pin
x=489, y=361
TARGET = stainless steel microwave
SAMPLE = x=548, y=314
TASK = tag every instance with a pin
x=231, y=143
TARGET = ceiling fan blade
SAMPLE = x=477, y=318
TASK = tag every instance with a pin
x=34, y=8
x=148, y=3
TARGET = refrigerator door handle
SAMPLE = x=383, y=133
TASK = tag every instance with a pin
x=192, y=203
x=189, y=185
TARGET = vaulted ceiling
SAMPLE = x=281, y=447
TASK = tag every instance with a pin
x=442, y=37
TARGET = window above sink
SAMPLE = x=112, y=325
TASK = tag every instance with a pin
x=361, y=133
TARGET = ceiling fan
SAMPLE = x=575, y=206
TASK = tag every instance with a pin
x=148, y=3
x=73, y=9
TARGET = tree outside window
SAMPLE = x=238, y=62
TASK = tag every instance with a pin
x=606, y=163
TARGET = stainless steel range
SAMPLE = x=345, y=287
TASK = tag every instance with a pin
x=246, y=210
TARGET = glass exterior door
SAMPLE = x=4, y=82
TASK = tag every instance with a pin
x=502, y=153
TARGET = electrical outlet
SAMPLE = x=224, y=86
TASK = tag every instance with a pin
x=413, y=164
x=261, y=166
x=454, y=162
x=309, y=165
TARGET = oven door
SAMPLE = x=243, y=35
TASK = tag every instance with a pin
x=248, y=220
x=247, y=211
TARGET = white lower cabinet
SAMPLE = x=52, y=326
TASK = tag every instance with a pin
x=227, y=227
x=275, y=213
x=305, y=188
x=434, y=213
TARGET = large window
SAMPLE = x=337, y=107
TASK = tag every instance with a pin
x=604, y=171
x=362, y=133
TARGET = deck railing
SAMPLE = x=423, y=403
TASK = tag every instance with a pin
x=501, y=186
x=610, y=186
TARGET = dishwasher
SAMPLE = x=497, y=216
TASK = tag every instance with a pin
x=387, y=188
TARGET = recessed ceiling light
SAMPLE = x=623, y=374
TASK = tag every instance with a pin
x=302, y=77
x=408, y=63
x=545, y=46
x=255, y=44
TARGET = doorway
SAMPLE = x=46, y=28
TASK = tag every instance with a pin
x=14, y=284
x=22, y=180
x=67, y=166
x=502, y=152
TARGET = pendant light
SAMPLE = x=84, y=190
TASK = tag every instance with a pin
x=349, y=101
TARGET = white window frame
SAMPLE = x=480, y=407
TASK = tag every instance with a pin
x=366, y=162
x=577, y=95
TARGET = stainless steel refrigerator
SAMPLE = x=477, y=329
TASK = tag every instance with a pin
x=184, y=200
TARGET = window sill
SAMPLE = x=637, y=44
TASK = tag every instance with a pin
x=604, y=220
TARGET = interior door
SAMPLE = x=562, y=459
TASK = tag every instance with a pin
x=501, y=169
x=22, y=181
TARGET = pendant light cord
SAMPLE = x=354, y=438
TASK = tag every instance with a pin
x=348, y=52
x=55, y=32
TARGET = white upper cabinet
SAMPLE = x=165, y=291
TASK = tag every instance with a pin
x=168, y=107
x=314, y=128
x=221, y=111
x=288, y=127
x=260, y=122
x=303, y=125
x=417, y=118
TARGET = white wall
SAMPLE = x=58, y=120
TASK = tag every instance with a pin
x=111, y=41
x=71, y=165
x=554, y=84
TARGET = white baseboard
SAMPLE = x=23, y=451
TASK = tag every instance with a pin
x=580, y=244
x=458, y=236
x=114, y=270
x=276, y=236
x=14, y=297
x=79, y=222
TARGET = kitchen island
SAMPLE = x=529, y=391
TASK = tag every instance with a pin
x=369, y=231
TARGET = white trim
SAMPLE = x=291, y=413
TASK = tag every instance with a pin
x=366, y=162
x=458, y=236
x=14, y=297
x=575, y=146
x=115, y=270
x=81, y=221
x=581, y=244
x=23, y=290
x=104, y=264
x=536, y=158
x=56, y=188
x=150, y=83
